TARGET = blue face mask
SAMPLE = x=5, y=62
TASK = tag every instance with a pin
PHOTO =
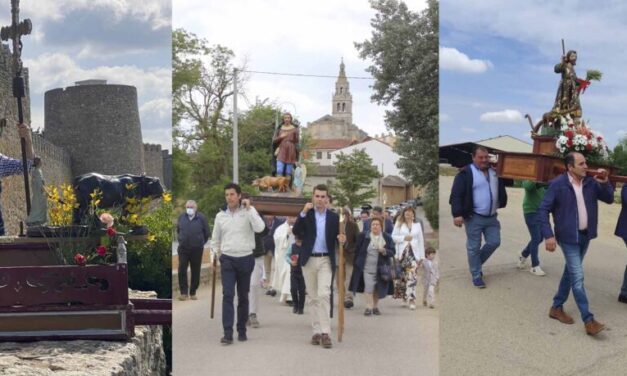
x=190, y=211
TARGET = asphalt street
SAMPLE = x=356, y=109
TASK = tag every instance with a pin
x=399, y=342
x=505, y=329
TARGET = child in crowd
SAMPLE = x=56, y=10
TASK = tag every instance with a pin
x=297, y=281
x=430, y=277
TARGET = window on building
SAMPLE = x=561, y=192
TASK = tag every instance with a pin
x=343, y=106
x=328, y=155
x=341, y=89
x=338, y=107
x=318, y=155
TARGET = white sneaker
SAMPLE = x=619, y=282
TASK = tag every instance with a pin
x=522, y=262
x=412, y=306
x=537, y=271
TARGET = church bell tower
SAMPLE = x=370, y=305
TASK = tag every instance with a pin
x=342, y=98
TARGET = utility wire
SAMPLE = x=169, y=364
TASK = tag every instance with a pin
x=305, y=75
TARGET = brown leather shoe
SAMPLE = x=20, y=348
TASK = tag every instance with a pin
x=559, y=314
x=594, y=327
x=326, y=341
x=315, y=340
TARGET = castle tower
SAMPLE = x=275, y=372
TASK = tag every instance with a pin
x=342, y=98
x=98, y=124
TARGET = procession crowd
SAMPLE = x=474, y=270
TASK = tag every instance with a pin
x=572, y=200
x=296, y=259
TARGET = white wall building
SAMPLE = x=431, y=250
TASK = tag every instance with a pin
x=381, y=153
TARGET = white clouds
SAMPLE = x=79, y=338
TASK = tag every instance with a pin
x=59, y=70
x=293, y=37
x=454, y=60
x=505, y=116
x=156, y=12
x=157, y=109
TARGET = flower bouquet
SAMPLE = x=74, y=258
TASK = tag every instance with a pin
x=582, y=139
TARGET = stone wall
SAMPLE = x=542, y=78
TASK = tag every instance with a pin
x=98, y=125
x=329, y=127
x=153, y=161
x=142, y=355
x=167, y=169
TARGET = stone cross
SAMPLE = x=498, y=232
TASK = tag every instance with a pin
x=15, y=32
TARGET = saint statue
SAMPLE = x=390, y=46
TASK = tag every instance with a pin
x=300, y=173
x=39, y=202
x=567, y=98
x=285, y=146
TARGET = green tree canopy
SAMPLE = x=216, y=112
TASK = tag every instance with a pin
x=355, y=174
x=404, y=51
x=619, y=156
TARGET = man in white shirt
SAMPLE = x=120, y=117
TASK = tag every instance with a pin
x=234, y=239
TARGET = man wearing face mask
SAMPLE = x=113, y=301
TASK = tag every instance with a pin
x=193, y=232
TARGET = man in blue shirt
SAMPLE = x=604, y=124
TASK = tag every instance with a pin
x=475, y=196
x=319, y=228
x=572, y=199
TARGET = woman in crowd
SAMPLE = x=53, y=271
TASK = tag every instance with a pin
x=371, y=269
x=410, y=250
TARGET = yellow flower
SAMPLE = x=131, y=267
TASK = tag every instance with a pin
x=130, y=186
x=167, y=197
x=152, y=238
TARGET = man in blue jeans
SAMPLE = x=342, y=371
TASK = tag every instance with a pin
x=234, y=237
x=621, y=231
x=475, y=196
x=572, y=198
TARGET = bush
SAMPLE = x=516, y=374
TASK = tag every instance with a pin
x=150, y=262
x=430, y=204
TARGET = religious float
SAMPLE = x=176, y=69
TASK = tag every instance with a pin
x=560, y=131
x=42, y=297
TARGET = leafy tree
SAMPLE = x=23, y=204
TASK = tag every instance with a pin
x=404, y=49
x=355, y=173
x=619, y=156
x=181, y=172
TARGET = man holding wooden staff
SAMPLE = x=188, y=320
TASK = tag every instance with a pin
x=572, y=198
x=319, y=230
x=234, y=239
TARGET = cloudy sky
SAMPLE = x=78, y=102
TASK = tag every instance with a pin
x=308, y=37
x=497, y=59
x=123, y=41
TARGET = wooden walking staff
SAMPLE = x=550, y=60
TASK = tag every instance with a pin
x=15, y=32
x=213, y=282
x=341, y=279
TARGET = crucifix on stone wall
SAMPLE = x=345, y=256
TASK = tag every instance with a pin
x=15, y=32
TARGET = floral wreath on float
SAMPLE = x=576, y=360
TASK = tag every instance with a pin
x=580, y=138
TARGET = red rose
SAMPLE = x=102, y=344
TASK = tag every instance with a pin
x=569, y=134
x=101, y=250
x=589, y=146
x=589, y=136
x=569, y=143
x=79, y=259
x=111, y=232
x=599, y=138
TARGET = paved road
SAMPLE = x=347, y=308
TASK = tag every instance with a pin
x=504, y=329
x=399, y=342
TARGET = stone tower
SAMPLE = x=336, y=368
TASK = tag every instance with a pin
x=99, y=126
x=342, y=98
